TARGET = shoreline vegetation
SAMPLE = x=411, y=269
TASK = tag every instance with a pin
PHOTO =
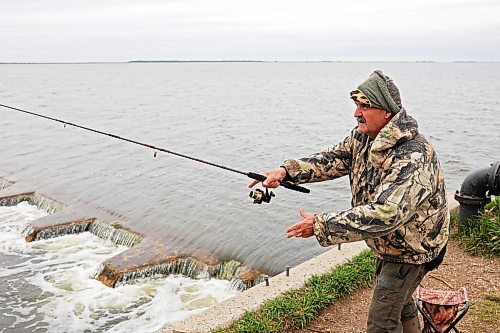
x=481, y=236
x=298, y=308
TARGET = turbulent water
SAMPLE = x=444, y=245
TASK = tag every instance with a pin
x=248, y=116
x=48, y=286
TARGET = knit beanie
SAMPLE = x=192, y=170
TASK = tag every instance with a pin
x=380, y=91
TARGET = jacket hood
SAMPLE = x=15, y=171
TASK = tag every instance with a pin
x=401, y=128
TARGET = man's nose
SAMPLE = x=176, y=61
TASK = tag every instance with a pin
x=357, y=112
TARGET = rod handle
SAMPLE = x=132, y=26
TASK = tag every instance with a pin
x=287, y=185
x=294, y=187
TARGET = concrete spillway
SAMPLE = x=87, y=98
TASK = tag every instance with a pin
x=146, y=257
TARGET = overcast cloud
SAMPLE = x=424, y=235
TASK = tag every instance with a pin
x=292, y=30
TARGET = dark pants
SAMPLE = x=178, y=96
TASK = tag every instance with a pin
x=392, y=301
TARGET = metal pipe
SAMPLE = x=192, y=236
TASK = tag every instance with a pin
x=476, y=191
x=266, y=278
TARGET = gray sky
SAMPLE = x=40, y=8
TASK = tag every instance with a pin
x=112, y=30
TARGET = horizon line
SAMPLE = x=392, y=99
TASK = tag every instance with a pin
x=237, y=61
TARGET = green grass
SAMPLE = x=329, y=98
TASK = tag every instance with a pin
x=487, y=310
x=454, y=220
x=295, y=309
x=481, y=236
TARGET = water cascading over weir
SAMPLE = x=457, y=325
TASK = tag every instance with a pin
x=146, y=256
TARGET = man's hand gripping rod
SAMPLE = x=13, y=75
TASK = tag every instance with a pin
x=260, y=196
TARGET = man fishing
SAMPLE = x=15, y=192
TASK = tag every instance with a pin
x=398, y=200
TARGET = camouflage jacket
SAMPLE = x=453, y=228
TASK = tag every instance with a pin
x=398, y=195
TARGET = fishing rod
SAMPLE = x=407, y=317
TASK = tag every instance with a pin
x=259, y=196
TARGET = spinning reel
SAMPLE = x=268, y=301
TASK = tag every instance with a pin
x=260, y=196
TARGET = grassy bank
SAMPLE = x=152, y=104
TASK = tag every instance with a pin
x=481, y=236
x=295, y=309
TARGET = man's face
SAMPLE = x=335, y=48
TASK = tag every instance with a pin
x=370, y=119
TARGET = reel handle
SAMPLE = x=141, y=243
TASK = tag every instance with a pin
x=287, y=185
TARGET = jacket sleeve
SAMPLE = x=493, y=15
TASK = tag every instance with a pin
x=406, y=185
x=332, y=163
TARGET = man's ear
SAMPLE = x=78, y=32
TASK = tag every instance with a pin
x=388, y=115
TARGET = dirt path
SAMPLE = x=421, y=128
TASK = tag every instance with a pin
x=480, y=276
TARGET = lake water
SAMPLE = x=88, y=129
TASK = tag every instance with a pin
x=248, y=116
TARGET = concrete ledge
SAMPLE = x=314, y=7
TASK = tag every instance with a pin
x=13, y=194
x=234, y=308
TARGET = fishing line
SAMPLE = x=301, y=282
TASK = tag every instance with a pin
x=259, y=196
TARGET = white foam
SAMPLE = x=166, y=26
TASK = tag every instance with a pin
x=12, y=221
x=52, y=286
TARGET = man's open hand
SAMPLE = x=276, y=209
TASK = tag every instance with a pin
x=304, y=228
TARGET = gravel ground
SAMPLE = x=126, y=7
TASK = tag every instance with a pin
x=480, y=276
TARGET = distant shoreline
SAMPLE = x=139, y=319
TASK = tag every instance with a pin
x=242, y=61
